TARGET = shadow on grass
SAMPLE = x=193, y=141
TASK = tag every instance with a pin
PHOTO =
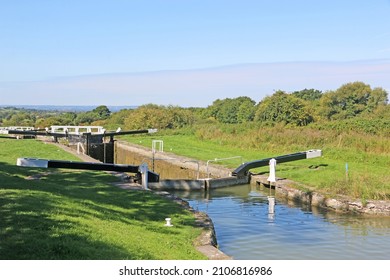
x=52, y=217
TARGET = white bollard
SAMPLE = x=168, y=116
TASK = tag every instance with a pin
x=143, y=168
x=168, y=222
x=272, y=165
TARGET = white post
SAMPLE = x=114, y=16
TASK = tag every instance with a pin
x=168, y=222
x=272, y=165
x=271, y=179
x=143, y=168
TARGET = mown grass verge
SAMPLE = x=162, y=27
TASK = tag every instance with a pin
x=80, y=215
x=367, y=156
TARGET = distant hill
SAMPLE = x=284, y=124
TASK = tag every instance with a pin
x=67, y=108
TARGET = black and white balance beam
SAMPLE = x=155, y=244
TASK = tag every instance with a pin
x=45, y=163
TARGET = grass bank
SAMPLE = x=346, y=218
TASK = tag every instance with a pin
x=367, y=156
x=80, y=215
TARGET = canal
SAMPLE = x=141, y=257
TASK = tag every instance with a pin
x=245, y=230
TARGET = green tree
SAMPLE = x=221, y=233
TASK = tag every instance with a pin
x=232, y=110
x=246, y=111
x=378, y=97
x=20, y=118
x=99, y=113
x=102, y=112
x=308, y=94
x=350, y=100
x=160, y=117
x=117, y=119
x=283, y=108
x=86, y=118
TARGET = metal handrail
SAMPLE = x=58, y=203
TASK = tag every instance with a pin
x=219, y=159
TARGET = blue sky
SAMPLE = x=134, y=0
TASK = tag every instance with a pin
x=186, y=52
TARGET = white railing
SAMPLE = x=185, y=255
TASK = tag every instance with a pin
x=76, y=129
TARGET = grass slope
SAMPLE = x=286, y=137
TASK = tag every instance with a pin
x=80, y=215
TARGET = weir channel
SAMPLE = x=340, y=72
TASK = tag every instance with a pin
x=244, y=228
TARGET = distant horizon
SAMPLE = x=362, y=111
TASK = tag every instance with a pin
x=67, y=108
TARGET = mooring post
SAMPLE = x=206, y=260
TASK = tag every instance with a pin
x=271, y=179
x=143, y=168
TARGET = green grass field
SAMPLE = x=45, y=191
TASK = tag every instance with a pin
x=80, y=215
x=368, y=175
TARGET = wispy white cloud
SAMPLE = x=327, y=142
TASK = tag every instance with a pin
x=196, y=87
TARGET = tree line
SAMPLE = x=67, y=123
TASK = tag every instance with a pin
x=303, y=107
x=355, y=100
x=12, y=116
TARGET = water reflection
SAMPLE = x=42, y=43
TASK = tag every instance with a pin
x=246, y=230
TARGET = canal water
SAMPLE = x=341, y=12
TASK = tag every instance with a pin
x=245, y=230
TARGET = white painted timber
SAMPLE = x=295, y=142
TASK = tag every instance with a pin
x=32, y=162
x=5, y=130
x=313, y=153
x=76, y=129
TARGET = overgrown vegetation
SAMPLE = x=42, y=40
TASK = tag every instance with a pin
x=59, y=214
x=367, y=156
